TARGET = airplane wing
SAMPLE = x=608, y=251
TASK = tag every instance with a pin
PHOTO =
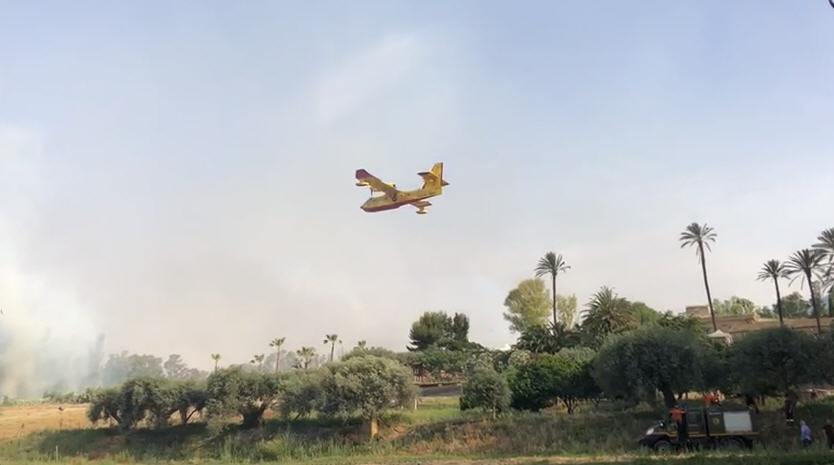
x=364, y=178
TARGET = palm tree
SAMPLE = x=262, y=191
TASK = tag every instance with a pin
x=362, y=344
x=331, y=339
x=806, y=264
x=277, y=343
x=306, y=355
x=696, y=234
x=552, y=264
x=774, y=269
x=606, y=313
x=826, y=247
x=216, y=358
x=259, y=360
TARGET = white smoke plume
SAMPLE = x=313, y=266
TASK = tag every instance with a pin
x=47, y=341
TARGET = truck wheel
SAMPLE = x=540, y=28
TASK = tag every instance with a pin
x=662, y=445
x=732, y=444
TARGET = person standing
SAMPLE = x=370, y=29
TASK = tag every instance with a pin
x=829, y=433
x=804, y=433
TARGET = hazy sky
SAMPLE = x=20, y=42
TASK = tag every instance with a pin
x=179, y=175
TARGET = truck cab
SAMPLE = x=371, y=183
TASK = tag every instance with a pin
x=713, y=427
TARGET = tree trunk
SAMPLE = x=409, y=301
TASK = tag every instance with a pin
x=814, y=302
x=831, y=302
x=554, y=302
x=332, y=348
x=277, y=360
x=371, y=427
x=706, y=284
x=778, y=302
x=668, y=396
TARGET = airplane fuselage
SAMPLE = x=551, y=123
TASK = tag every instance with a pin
x=384, y=202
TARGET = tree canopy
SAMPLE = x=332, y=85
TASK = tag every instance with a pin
x=527, y=305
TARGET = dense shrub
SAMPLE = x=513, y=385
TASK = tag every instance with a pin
x=366, y=385
x=485, y=389
x=302, y=393
x=551, y=377
x=776, y=360
x=249, y=394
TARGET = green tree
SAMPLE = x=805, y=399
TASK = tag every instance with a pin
x=175, y=367
x=641, y=314
x=249, y=394
x=552, y=264
x=105, y=405
x=527, y=305
x=774, y=360
x=121, y=367
x=216, y=358
x=567, y=310
x=606, y=313
x=539, y=339
x=805, y=264
x=548, y=378
x=795, y=306
x=734, y=306
x=277, y=343
x=775, y=270
x=485, y=389
x=460, y=328
x=301, y=393
x=638, y=363
x=332, y=339
x=368, y=385
x=430, y=329
x=441, y=330
x=701, y=236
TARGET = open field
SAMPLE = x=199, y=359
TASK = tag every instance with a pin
x=437, y=432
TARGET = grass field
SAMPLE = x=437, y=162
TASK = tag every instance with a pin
x=437, y=432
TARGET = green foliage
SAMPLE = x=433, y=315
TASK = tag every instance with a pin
x=438, y=329
x=605, y=314
x=734, y=306
x=564, y=376
x=368, y=385
x=301, y=393
x=104, y=405
x=485, y=389
x=566, y=308
x=121, y=367
x=540, y=339
x=233, y=390
x=361, y=350
x=776, y=360
x=668, y=360
x=437, y=362
x=795, y=306
x=527, y=305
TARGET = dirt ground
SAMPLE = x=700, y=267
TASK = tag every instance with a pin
x=20, y=420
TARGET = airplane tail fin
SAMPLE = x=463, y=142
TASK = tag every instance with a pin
x=434, y=178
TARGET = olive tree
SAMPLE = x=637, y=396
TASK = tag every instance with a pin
x=669, y=360
x=484, y=388
x=301, y=393
x=249, y=394
x=776, y=360
x=366, y=385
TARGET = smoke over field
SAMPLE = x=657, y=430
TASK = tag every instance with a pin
x=47, y=341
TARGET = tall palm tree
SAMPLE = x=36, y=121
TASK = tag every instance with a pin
x=552, y=264
x=259, y=360
x=306, y=356
x=216, y=358
x=700, y=236
x=806, y=264
x=331, y=339
x=277, y=343
x=362, y=344
x=774, y=269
